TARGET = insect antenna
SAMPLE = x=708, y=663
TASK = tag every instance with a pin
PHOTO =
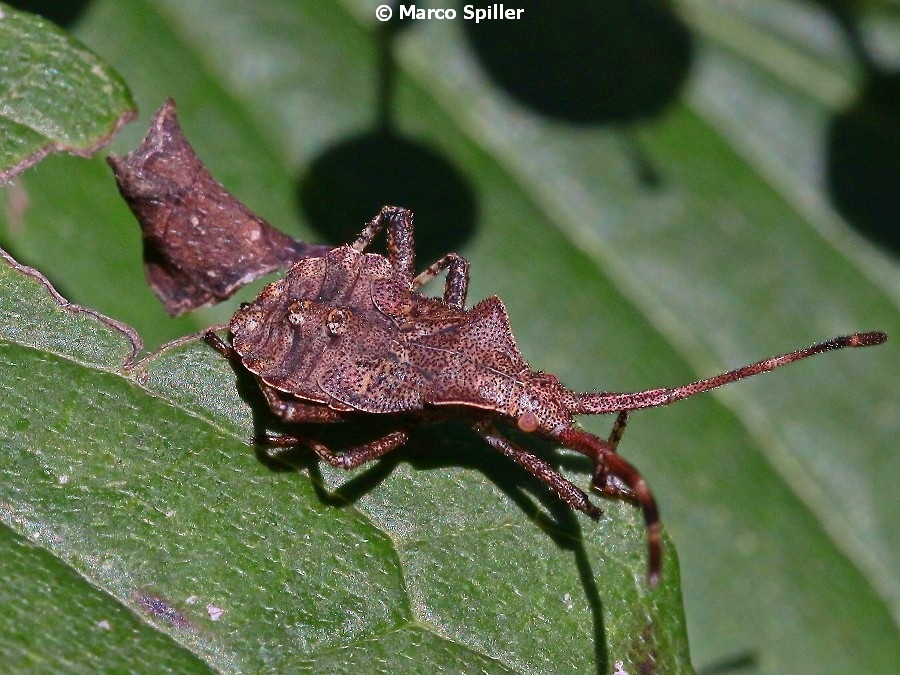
x=598, y=403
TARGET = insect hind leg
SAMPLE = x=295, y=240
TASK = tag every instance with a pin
x=618, y=430
x=567, y=491
x=615, y=477
x=605, y=482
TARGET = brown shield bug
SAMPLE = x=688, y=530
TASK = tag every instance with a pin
x=348, y=333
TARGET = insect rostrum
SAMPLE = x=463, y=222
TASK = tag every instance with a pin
x=349, y=334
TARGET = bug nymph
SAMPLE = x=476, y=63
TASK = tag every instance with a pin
x=348, y=333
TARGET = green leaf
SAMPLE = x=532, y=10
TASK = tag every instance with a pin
x=776, y=491
x=56, y=95
x=134, y=477
x=56, y=621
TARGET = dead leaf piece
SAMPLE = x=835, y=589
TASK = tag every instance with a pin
x=200, y=243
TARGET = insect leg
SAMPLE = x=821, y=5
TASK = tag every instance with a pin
x=401, y=250
x=457, y=286
x=220, y=346
x=615, y=477
x=567, y=491
x=346, y=459
x=291, y=410
x=618, y=431
x=353, y=457
x=604, y=481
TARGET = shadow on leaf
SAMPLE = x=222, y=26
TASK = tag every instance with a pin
x=350, y=182
x=453, y=445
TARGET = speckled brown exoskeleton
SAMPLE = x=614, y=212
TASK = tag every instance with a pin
x=348, y=333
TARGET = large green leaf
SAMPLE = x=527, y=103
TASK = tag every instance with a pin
x=629, y=256
x=133, y=475
x=55, y=95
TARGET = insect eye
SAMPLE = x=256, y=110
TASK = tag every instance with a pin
x=245, y=305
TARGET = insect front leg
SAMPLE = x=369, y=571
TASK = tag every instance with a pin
x=220, y=345
x=346, y=459
x=294, y=411
x=401, y=249
x=567, y=491
x=299, y=412
x=457, y=285
x=353, y=457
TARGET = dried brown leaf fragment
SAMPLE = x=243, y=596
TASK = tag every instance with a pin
x=200, y=243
